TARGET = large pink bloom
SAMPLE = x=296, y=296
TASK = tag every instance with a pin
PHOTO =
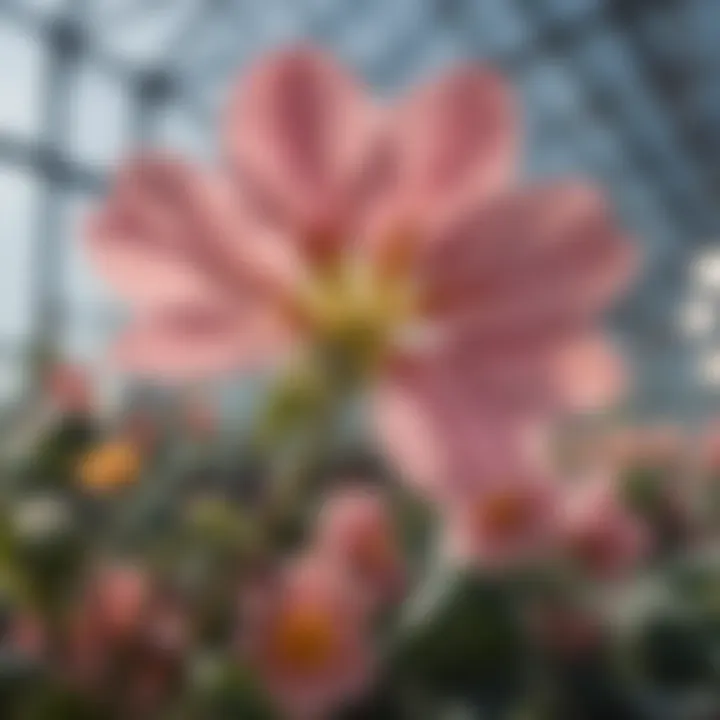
x=393, y=237
x=306, y=635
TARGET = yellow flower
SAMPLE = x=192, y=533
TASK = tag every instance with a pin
x=111, y=465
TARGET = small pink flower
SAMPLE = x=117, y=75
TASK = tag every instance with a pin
x=308, y=640
x=502, y=521
x=117, y=600
x=356, y=530
x=395, y=238
x=600, y=533
x=69, y=388
x=124, y=631
x=107, y=619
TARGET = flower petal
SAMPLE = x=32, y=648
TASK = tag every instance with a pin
x=194, y=342
x=539, y=256
x=170, y=235
x=589, y=374
x=532, y=373
x=298, y=129
x=456, y=141
x=443, y=436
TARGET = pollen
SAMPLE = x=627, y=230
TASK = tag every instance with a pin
x=356, y=312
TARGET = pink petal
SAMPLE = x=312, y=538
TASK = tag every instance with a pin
x=196, y=342
x=298, y=130
x=589, y=374
x=170, y=235
x=506, y=376
x=548, y=256
x=443, y=436
x=456, y=141
x=549, y=371
x=517, y=222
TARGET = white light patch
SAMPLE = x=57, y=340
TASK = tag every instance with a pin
x=710, y=368
x=706, y=270
x=698, y=318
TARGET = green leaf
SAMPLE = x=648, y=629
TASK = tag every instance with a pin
x=675, y=651
x=53, y=463
x=59, y=703
x=467, y=643
x=223, y=689
x=645, y=490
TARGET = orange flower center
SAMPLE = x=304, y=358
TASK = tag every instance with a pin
x=503, y=514
x=111, y=465
x=373, y=553
x=304, y=640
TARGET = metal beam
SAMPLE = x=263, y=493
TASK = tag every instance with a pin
x=45, y=162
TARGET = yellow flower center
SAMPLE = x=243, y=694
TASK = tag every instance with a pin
x=304, y=639
x=355, y=310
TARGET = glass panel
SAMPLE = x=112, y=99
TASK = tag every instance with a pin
x=91, y=310
x=12, y=375
x=498, y=24
x=18, y=195
x=567, y=10
x=180, y=132
x=99, y=118
x=21, y=60
x=81, y=285
x=139, y=31
x=49, y=7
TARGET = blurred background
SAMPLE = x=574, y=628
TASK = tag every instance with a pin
x=624, y=91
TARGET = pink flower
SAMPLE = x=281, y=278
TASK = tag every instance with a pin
x=126, y=632
x=116, y=601
x=308, y=640
x=600, y=533
x=502, y=521
x=106, y=620
x=355, y=529
x=395, y=240
x=69, y=388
